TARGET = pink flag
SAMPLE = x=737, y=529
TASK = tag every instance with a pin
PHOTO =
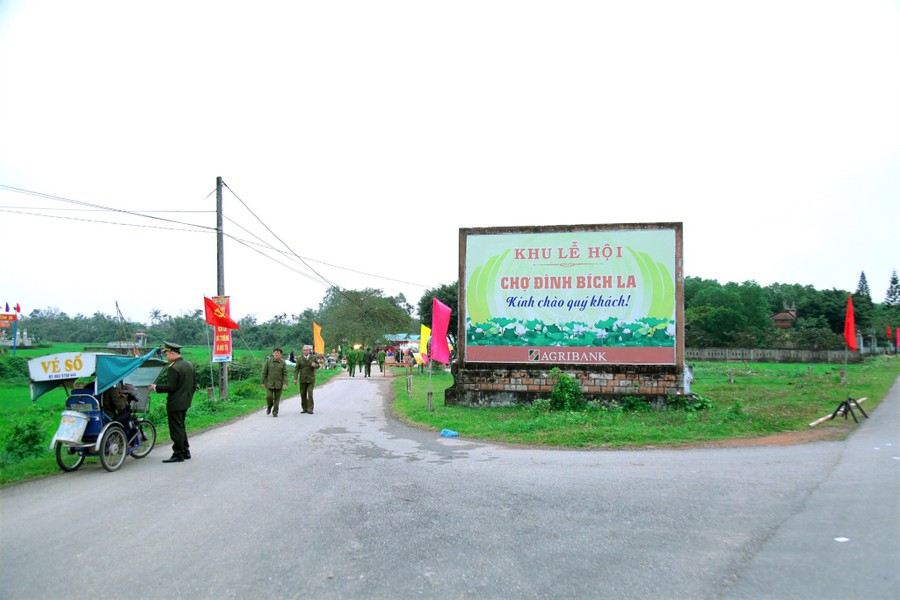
x=440, y=320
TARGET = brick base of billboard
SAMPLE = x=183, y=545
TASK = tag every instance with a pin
x=499, y=385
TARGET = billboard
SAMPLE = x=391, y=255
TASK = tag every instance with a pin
x=582, y=294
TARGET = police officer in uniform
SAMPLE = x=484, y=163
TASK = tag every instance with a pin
x=305, y=373
x=179, y=390
x=274, y=379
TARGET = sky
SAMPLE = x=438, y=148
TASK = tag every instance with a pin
x=356, y=138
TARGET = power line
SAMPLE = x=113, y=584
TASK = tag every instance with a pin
x=20, y=212
x=322, y=277
x=97, y=206
x=92, y=207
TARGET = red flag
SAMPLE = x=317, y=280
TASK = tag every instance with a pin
x=18, y=308
x=850, y=326
x=440, y=320
x=889, y=331
x=216, y=316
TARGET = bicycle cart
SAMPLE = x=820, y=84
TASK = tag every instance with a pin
x=92, y=424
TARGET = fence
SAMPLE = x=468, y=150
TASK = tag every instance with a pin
x=770, y=355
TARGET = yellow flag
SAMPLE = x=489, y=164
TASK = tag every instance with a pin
x=318, y=342
x=423, y=340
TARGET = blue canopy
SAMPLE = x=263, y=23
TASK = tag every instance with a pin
x=49, y=372
x=112, y=368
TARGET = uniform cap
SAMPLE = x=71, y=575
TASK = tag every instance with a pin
x=172, y=347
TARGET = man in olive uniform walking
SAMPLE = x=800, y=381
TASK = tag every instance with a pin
x=305, y=373
x=367, y=358
x=274, y=379
x=179, y=390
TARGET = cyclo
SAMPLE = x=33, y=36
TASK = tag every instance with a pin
x=106, y=418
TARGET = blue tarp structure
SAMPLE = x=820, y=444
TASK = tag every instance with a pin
x=109, y=370
x=112, y=368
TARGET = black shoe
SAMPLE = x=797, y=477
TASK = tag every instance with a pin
x=303, y=411
x=187, y=456
x=174, y=458
x=275, y=415
x=310, y=412
x=269, y=411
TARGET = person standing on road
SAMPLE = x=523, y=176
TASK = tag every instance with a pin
x=305, y=374
x=274, y=380
x=367, y=362
x=381, y=357
x=179, y=390
x=351, y=363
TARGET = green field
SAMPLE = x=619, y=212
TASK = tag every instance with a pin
x=740, y=401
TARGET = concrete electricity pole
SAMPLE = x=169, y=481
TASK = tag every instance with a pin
x=220, y=280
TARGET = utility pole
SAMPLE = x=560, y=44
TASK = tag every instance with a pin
x=220, y=279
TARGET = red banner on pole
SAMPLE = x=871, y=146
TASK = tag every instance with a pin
x=850, y=326
x=222, y=344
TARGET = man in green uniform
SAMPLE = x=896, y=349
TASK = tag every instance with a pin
x=367, y=362
x=351, y=363
x=179, y=390
x=381, y=357
x=305, y=373
x=274, y=379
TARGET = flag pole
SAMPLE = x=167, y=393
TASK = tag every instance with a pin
x=430, y=363
x=844, y=372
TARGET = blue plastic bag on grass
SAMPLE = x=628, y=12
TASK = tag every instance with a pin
x=449, y=433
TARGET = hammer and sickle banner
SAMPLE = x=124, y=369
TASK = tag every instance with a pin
x=217, y=315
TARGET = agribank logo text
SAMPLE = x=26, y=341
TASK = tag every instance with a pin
x=566, y=356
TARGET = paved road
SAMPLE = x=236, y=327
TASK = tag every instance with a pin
x=348, y=503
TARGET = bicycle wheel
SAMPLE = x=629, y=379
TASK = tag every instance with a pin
x=113, y=448
x=146, y=431
x=68, y=458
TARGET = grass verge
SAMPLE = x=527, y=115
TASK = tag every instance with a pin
x=746, y=401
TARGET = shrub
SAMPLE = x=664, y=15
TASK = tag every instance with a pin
x=26, y=439
x=688, y=402
x=566, y=394
x=13, y=369
x=541, y=405
x=634, y=404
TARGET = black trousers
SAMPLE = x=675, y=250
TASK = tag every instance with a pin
x=178, y=432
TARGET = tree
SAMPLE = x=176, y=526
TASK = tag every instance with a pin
x=862, y=304
x=828, y=304
x=449, y=295
x=892, y=296
x=713, y=326
x=862, y=288
x=734, y=315
x=351, y=317
x=815, y=334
